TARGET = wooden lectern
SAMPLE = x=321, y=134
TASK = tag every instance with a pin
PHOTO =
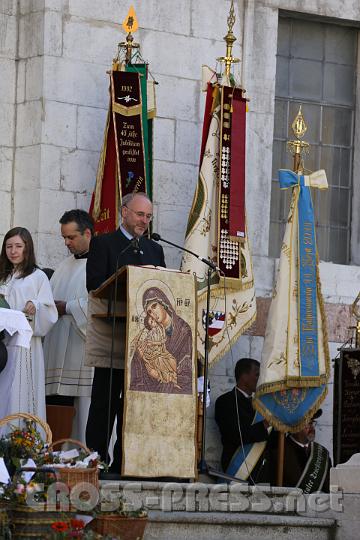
x=106, y=329
x=143, y=319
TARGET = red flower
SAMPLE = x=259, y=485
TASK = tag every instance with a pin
x=77, y=524
x=60, y=526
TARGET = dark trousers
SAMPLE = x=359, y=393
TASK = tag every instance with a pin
x=97, y=424
x=55, y=399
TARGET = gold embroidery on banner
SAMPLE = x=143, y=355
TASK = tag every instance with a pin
x=293, y=204
x=286, y=250
x=243, y=271
x=205, y=223
x=297, y=356
x=235, y=312
x=215, y=167
x=134, y=110
x=291, y=244
x=281, y=360
x=295, y=290
x=207, y=153
x=290, y=399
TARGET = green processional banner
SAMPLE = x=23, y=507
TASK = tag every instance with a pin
x=125, y=163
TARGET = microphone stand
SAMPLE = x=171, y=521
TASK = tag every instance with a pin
x=203, y=468
x=134, y=243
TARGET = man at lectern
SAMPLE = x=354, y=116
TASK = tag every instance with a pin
x=109, y=252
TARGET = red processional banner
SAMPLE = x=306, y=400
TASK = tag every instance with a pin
x=121, y=168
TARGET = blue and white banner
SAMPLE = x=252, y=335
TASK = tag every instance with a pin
x=247, y=456
x=295, y=359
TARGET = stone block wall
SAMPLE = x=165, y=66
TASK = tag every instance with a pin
x=8, y=78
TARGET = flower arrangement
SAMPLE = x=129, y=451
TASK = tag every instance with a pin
x=16, y=491
x=22, y=444
x=33, y=466
x=74, y=528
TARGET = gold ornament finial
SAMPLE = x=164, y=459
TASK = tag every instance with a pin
x=130, y=24
x=231, y=17
x=299, y=126
x=298, y=148
x=229, y=39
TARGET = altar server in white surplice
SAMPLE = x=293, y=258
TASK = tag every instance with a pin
x=68, y=381
x=26, y=288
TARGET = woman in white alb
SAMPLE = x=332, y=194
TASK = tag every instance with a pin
x=26, y=288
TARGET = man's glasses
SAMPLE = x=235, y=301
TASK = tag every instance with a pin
x=141, y=215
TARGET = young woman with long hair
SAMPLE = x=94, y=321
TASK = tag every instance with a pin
x=26, y=288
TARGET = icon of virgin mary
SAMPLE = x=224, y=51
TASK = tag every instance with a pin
x=162, y=357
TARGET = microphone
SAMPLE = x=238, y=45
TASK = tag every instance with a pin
x=157, y=237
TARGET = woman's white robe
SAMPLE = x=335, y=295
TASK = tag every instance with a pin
x=27, y=393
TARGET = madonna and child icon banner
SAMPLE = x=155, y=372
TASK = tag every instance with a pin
x=159, y=431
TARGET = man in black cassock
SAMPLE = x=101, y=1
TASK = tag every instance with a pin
x=234, y=415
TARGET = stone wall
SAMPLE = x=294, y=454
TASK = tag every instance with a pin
x=54, y=55
x=8, y=80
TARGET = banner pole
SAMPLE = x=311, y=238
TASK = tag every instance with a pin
x=280, y=463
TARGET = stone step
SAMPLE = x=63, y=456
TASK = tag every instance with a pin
x=240, y=526
x=215, y=498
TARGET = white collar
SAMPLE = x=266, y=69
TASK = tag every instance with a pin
x=299, y=443
x=126, y=233
x=243, y=392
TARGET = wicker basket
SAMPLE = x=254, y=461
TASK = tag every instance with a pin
x=72, y=476
x=29, y=523
x=126, y=528
x=33, y=418
x=4, y=519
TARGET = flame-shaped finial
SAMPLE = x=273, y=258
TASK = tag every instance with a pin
x=230, y=39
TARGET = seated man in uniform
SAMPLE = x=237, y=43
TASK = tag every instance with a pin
x=306, y=463
x=244, y=433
